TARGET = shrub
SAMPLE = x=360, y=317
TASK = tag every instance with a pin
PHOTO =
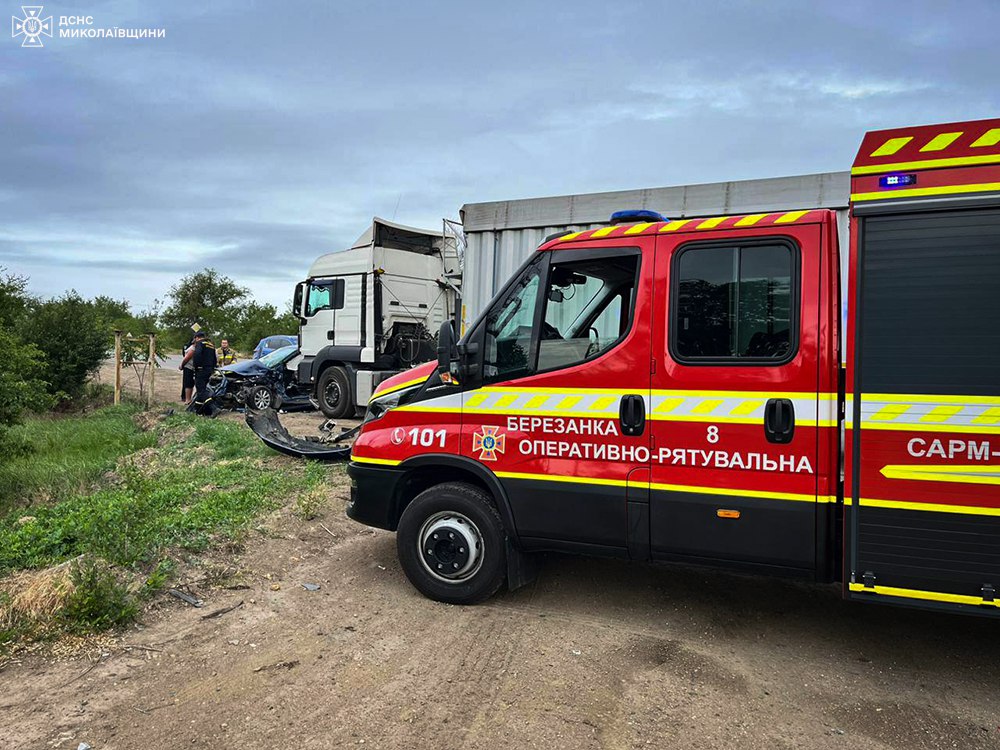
x=70, y=332
x=98, y=601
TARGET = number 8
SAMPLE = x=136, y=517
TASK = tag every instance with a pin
x=713, y=434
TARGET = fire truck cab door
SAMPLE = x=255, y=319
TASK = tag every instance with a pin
x=558, y=414
x=734, y=399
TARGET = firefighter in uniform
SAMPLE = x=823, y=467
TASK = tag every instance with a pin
x=202, y=355
x=226, y=355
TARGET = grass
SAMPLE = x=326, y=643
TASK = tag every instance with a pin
x=63, y=456
x=113, y=545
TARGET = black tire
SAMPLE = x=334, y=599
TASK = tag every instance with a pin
x=333, y=392
x=465, y=512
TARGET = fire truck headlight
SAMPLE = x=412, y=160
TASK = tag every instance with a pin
x=378, y=407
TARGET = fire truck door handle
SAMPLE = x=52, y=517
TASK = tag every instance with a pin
x=779, y=420
x=632, y=415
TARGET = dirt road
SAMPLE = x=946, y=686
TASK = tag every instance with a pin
x=595, y=654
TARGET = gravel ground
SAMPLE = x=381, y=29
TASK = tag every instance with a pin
x=595, y=654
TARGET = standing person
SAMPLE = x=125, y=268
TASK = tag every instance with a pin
x=187, y=371
x=226, y=355
x=202, y=356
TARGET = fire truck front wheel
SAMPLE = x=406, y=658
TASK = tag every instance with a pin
x=452, y=545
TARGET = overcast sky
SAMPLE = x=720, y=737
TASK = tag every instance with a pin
x=257, y=135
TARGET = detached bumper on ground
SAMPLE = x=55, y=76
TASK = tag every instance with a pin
x=269, y=429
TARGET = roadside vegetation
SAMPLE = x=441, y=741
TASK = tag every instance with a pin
x=101, y=513
x=101, y=507
x=62, y=456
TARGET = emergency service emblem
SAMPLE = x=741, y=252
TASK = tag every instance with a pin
x=32, y=26
x=489, y=442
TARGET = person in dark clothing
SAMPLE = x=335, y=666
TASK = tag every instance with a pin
x=202, y=355
x=187, y=371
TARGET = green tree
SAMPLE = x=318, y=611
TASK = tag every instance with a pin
x=14, y=299
x=256, y=321
x=207, y=298
x=21, y=389
x=71, y=333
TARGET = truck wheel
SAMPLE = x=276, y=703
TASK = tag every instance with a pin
x=452, y=545
x=334, y=393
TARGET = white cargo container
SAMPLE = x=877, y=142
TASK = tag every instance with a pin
x=500, y=235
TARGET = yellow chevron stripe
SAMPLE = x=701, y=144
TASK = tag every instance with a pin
x=888, y=412
x=668, y=405
x=790, y=217
x=603, y=403
x=605, y=231
x=935, y=596
x=990, y=416
x=571, y=236
x=990, y=138
x=711, y=223
x=749, y=221
x=891, y=146
x=707, y=406
x=941, y=141
x=747, y=407
x=639, y=228
x=941, y=413
x=673, y=226
x=476, y=399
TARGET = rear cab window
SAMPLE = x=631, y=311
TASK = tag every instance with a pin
x=735, y=303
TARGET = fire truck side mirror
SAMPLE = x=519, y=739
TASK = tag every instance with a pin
x=447, y=351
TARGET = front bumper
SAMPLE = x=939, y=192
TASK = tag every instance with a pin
x=374, y=495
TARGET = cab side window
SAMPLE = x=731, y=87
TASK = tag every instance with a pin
x=324, y=295
x=588, y=309
x=735, y=304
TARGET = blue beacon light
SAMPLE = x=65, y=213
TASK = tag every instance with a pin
x=897, y=180
x=631, y=216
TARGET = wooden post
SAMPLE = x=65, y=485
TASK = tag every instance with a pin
x=152, y=370
x=118, y=367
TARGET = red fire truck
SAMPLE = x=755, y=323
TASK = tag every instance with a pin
x=673, y=391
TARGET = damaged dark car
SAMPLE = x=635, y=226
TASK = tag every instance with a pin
x=259, y=384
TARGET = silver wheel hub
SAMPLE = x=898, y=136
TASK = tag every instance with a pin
x=450, y=547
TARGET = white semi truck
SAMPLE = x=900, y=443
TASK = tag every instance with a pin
x=372, y=310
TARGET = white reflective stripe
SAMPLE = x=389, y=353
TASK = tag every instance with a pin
x=680, y=406
x=450, y=403
x=920, y=412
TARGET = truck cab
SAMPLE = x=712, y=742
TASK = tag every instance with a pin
x=369, y=311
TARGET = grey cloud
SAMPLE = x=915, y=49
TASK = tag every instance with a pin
x=256, y=136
